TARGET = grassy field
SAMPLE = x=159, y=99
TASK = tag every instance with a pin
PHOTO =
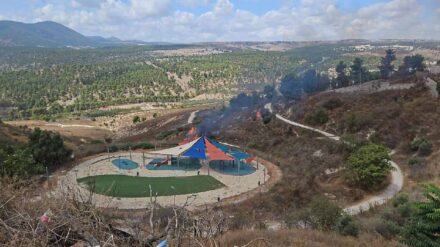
x=129, y=186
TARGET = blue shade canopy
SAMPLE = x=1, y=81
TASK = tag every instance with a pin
x=222, y=147
x=240, y=155
x=235, y=153
x=197, y=150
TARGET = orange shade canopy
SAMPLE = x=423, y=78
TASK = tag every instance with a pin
x=214, y=153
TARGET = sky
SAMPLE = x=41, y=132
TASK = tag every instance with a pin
x=186, y=21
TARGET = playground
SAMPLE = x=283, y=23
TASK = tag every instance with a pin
x=198, y=172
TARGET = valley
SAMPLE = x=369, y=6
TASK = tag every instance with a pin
x=306, y=143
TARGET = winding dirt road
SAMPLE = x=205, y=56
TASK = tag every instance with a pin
x=389, y=192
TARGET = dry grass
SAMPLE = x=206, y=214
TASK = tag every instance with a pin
x=300, y=238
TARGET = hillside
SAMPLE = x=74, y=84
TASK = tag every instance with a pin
x=46, y=34
x=11, y=135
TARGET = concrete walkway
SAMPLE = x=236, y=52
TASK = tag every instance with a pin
x=102, y=165
x=389, y=192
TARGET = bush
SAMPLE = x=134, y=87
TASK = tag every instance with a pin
x=136, y=119
x=421, y=145
x=368, y=166
x=346, y=226
x=164, y=134
x=415, y=161
x=319, y=116
x=387, y=229
x=356, y=122
x=320, y=213
x=332, y=103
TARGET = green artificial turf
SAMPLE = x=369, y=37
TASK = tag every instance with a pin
x=130, y=186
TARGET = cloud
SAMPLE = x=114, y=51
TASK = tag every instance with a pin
x=194, y=3
x=161, y=20
x=223, y=7
x=149, y=8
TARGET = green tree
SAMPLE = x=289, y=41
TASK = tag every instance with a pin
x=47, y=147
x=368, y=166
x=424, y=227
x=342, y=78
x=411, y=64
x=358, y=71
x=19, y=165
x=386, y=67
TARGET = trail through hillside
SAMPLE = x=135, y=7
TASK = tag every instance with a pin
x=389, y=192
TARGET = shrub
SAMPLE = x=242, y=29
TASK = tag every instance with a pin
x=351, y=143
x=320, y=214
x=387, y=229
x=319, y=116
x=421, y=145
x=332, y=103
x=368, y=166
x=136, y=119
x=113, y=148
x=414, y=161
x=356, y=122
x=346, y=226
x=164, y=134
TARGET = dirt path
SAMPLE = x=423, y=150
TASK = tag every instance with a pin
x=192, y=117
x=389, y=192
x=74, y=126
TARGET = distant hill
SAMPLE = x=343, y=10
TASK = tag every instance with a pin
x=51, y=34
x=46, y=34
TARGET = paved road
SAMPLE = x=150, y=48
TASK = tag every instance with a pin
x=389, y=192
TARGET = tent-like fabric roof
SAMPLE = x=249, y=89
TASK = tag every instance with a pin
x=235, y=153
x=215, y=153
x=202, y=148
x=197, y=150
x=176, y=151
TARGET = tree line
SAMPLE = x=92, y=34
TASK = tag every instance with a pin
x=294, y=86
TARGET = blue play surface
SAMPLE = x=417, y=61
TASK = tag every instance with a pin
x=228, y=168
x=186, y=164
x=125, y=164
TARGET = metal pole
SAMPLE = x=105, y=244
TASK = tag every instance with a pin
x=264, y=176
x=238, y=167
x=143, y=158
x=257, y=164
x=130, y=153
